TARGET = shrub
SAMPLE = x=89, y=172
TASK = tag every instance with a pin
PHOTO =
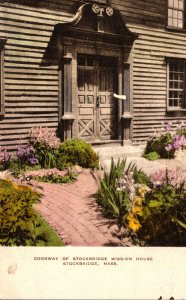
x=17, y=216
x=76, y=152
x=158, y=145
x=164, y=143
x=163, y=217
x=45, y=143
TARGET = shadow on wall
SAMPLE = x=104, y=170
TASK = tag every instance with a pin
x=50, y=4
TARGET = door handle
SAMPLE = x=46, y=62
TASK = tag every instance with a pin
x=97, y=101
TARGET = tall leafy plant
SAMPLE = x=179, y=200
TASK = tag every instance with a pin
x=45, y=143
x=115, y=202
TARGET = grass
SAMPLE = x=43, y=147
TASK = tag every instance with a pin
x=46, y=235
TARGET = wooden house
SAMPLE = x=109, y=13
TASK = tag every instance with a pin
x=62, y=62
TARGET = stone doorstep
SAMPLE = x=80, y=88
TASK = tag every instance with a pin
x=119, y=150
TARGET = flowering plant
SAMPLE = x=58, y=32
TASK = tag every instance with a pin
x=117, y=193
x=163, y=210
x=51, y=175
x=45, y=136
x=174, y=177
x=165, y=142
x=45, y=143
x=137, y=193
x=26, y=155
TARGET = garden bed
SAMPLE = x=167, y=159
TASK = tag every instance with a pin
x=43, y=159
x=152, y=208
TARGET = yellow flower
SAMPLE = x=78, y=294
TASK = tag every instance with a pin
x=134, y=224
x=136, y=210
x=138, y=200
x=140, y=191
x=130, y=217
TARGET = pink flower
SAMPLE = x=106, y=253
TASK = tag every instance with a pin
x=44, y=135
x=45, y=173
x=174, y=177
x=167, y=126
x=168, y=147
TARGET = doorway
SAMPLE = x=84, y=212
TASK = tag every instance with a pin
x=97, y=108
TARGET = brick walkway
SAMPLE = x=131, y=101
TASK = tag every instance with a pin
x=74, y=214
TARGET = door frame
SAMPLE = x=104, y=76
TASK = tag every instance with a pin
x=99, y=30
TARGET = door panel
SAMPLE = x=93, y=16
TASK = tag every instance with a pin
x=107, y=110
x=86, y=106
x=97, y=109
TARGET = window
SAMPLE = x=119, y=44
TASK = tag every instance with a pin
x=85, y=60
x=176, y=10
x=177, y=84
x=2, y=44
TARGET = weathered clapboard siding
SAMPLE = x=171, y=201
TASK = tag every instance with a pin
x=31, y=92
x=155, y=42
x=152, y=91
x=151, y=12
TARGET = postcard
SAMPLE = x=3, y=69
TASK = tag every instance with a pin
x=93, y=149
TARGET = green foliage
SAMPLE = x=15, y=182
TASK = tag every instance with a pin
x=181, y=131
x=152, y=155
x=158, y=144
x=68, y=178
x=164, y=216
x=17, y=216
x=15, y=167
x=76, y=152
x=45, y=235
x=140, y=177
x=115, y=203
x=45, y=155
x=16, y=170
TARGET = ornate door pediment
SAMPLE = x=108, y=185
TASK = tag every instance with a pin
x=97, y=22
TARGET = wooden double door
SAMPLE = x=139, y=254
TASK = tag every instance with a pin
x=97, y=108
